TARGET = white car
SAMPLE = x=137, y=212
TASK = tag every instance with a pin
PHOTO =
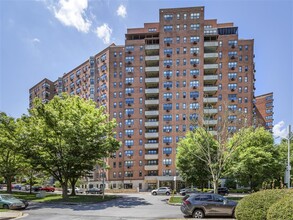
x=77, y=190
x=162, y=191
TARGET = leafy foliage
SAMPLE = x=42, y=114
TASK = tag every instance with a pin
x=282, y=209
x=256, y=205
x=256, y=159
x=10, y=159
x=67, y=136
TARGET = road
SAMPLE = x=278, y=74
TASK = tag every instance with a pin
x=130, y=206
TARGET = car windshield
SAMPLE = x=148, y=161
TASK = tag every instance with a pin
x=6, y=197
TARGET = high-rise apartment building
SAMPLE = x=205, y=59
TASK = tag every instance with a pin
x=167, y=76
x=265, y=110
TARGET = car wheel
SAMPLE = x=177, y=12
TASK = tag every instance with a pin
x=167, y=193
x=5, y=206
x=198, y=213
x=154, y=193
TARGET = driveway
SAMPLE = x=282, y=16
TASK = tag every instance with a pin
x=130, y=206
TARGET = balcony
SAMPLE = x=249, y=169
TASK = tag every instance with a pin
x=151, y=167
x=210, y=57
x=210, y=100
x=152, y=47
x=151, y=146
x=214, y=133
x=151, y=135
x=210, y=111
x=211, y=44
x=210, y=89
x=151, y=91
x=151, y=102
x=152, y=80
x=151, y=113
x=210, y=66
x=210, y=78
x=151, y=156
x=151, y=124
x=152, y=58
x=152, y=69
x=210, y=122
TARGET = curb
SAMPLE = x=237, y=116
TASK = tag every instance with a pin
x=10, y=215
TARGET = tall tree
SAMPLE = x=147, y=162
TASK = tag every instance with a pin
x=256, y=159
x=66, y=137
x=192, y=169
x=10, y=159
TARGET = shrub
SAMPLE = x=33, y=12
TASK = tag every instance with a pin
x=282, y=209
x=256, y=205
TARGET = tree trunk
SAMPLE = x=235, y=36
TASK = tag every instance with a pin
x=215, y=184
x=9, y=187
x=72, y=183
x=64, y=190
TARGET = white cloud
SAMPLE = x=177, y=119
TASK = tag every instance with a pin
x=121, y=11
x=72, y=13
x=104, y=32
x=36, y=40
x=279, y=130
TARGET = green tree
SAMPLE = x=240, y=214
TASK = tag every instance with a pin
x=192, y=169
x=256, y=159
x=66, y=137
x=10, y=159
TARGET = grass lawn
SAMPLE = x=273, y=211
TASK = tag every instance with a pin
x=58, y=198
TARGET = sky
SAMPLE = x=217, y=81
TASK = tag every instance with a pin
x=46, y=38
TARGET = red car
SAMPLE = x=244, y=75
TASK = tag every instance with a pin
x=48, y=189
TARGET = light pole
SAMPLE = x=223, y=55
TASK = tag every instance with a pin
x=288, y=168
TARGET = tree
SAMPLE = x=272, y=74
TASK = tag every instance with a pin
x=66, y=137
x=256, y=159
x=10, y=159
x=191, y=168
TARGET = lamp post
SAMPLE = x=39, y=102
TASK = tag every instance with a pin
x=288, y=168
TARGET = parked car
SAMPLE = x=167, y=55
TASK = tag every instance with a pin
x=162, y=191
x=9, y=202
x=48, y=189
x=186, y=191
x=16, y=186
x=36, y=188
x=200, y=205
x=94, y=191
x=222, y=191
x=77, y=190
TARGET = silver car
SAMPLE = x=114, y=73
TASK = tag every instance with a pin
x=207, y=204
x=162, y=191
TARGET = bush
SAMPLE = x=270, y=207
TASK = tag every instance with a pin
x=256, y=205
x=282, y=209
x=240, y=190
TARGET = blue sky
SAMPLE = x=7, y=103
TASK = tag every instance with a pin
x=46, y=38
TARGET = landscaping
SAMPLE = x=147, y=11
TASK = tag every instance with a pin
x=58, y=198
x=257, y=205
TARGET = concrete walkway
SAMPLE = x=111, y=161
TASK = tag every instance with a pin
x=10, y=215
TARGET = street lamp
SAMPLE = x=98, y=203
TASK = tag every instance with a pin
x=288, y=168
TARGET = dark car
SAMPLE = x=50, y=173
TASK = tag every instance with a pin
x=94, y=191
x=36, y=188
x=187, y=191
x=207, y=204
x=222, y=191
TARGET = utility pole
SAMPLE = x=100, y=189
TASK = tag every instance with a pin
x=288, y=164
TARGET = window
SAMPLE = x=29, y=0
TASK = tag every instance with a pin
x=194, y=61
x=167, y=139
x=232, y=86
x=177, y=27
x=184, y=50
x=194, y=39
x=194, y=50
x=246, y=79
x=232, y=43
x=246, y=68
x=246, y=47
x=184, y=16
x=194, y=83
x=178, y=40
x=194, y=105
x=194, y=27
x=194, y=15
x=168, y=40
x=246, y=58
x=167, y=117
x=168, y=63
x=168, y=28
x=194, y=72
x=167, y=161
x=178, y=16
x=168, y=17
x=232, y=97
x=167, y=150
x=232, y=76
x=167, y=128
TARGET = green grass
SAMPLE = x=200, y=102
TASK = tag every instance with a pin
x=58, y=198
x=175, y=199
x=3, y=210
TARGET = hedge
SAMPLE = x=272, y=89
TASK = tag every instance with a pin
x=282, y=209
x=255, y=206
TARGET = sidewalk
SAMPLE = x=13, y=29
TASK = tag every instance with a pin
x=10, y=215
